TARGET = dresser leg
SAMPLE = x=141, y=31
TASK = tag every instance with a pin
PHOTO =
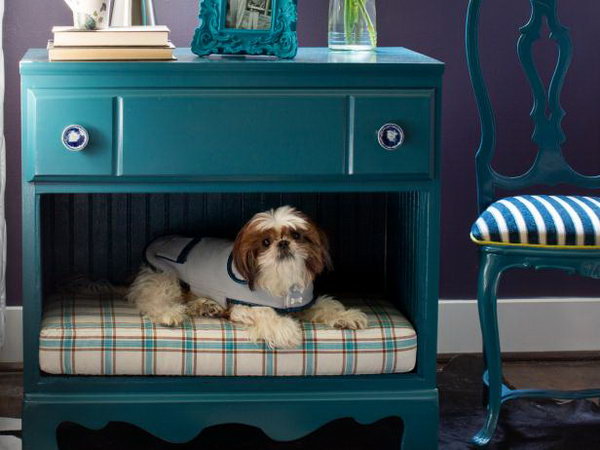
x=421, y=430
x=39, y=429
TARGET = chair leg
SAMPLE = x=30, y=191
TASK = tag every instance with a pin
x=489, y=275
x=484, y=387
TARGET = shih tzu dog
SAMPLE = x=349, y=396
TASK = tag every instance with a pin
x=263, y=280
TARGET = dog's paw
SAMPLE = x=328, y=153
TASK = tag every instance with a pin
x=333, y=313
x=350, y=319
x=171, y=317
x=204, y=307
x=264, y=324
x=283, y=332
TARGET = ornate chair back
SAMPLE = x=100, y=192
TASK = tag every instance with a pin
x=549, y=167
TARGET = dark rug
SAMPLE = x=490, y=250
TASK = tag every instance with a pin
x=524, y=424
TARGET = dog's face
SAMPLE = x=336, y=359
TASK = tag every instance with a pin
x=280, y=248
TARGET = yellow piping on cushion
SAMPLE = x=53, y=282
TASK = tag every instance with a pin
x=514, y=244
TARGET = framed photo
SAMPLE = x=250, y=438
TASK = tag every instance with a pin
x=252, y=27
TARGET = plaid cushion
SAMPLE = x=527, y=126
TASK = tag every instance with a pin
x=94, y=335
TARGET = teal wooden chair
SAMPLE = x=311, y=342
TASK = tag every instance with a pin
x=528, y=231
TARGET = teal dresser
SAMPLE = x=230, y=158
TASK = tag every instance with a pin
x=117, y=153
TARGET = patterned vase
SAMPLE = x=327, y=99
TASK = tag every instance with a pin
x=89, y=14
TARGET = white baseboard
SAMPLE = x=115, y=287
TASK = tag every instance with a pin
x=526, y=325
x=12, y=351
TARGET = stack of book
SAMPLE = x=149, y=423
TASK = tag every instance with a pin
x=137, y=43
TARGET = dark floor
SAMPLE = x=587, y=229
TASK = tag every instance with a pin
x=11, y=393
x=553, y=374
x=457, y=384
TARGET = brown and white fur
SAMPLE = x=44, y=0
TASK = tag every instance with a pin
x=273, y=251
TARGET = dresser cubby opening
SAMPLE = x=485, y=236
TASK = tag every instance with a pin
x=376, y=239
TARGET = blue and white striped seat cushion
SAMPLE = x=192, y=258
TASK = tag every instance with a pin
x=540, y=220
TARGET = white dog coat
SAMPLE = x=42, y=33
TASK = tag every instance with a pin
x=206, y=265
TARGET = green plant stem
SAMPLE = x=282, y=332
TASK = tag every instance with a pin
x=350, y=18
x=370, y=26
x=353, y=9
x=347, y=30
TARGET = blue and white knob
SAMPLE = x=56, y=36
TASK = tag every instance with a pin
x=75, y=138
x=390, y=136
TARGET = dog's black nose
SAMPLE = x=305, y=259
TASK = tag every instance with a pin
x=283, y=244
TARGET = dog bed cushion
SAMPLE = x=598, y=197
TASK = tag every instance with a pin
x=556, y=221
x=101, y=335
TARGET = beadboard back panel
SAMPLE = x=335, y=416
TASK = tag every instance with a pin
x=103, y=236
x=406, y=251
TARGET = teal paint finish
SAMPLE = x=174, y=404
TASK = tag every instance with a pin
x=311, y=68
x=146, y=125
x=414, y=112
x=549, y=169
x=212, y=35
x=257, y=132
x=494, y=261
x=126, y=102
x=284, y=416
x=52, y=111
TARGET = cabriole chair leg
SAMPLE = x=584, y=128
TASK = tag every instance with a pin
x=489, y=276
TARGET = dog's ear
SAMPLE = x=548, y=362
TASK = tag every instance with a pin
x=245, y=254
x=319, y=258
x=325, y=256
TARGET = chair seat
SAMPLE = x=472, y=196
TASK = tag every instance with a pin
x=95, y=335
x=557, y=221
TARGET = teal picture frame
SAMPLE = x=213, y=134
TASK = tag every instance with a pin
x=213, y=36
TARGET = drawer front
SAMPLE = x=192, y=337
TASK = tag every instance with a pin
x=216, y=134
x=50, y=112
x=413, y=112
x=255, y=133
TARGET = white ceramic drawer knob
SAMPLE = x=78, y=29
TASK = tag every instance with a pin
x=390, y=136
x=75, y=138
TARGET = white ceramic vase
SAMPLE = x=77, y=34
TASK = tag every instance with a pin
x=90, y=14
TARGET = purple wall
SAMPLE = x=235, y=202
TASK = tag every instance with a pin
x=434, y=27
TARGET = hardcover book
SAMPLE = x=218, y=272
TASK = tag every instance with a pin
x=144, y=36
x=109, y=53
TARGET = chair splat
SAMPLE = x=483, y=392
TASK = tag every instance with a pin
x=547, y=112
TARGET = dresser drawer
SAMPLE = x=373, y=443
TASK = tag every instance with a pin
x=51, y=112
x=228, y=133
x=410, y=113
x=233, y=134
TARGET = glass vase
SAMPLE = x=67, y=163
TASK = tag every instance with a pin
x=352, y=25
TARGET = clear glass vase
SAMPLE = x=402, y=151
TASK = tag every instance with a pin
x=352, y=25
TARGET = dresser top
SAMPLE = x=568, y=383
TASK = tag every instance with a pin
x=36, y=61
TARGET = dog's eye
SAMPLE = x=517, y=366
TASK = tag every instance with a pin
x=296, y=235
x=266, y=242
